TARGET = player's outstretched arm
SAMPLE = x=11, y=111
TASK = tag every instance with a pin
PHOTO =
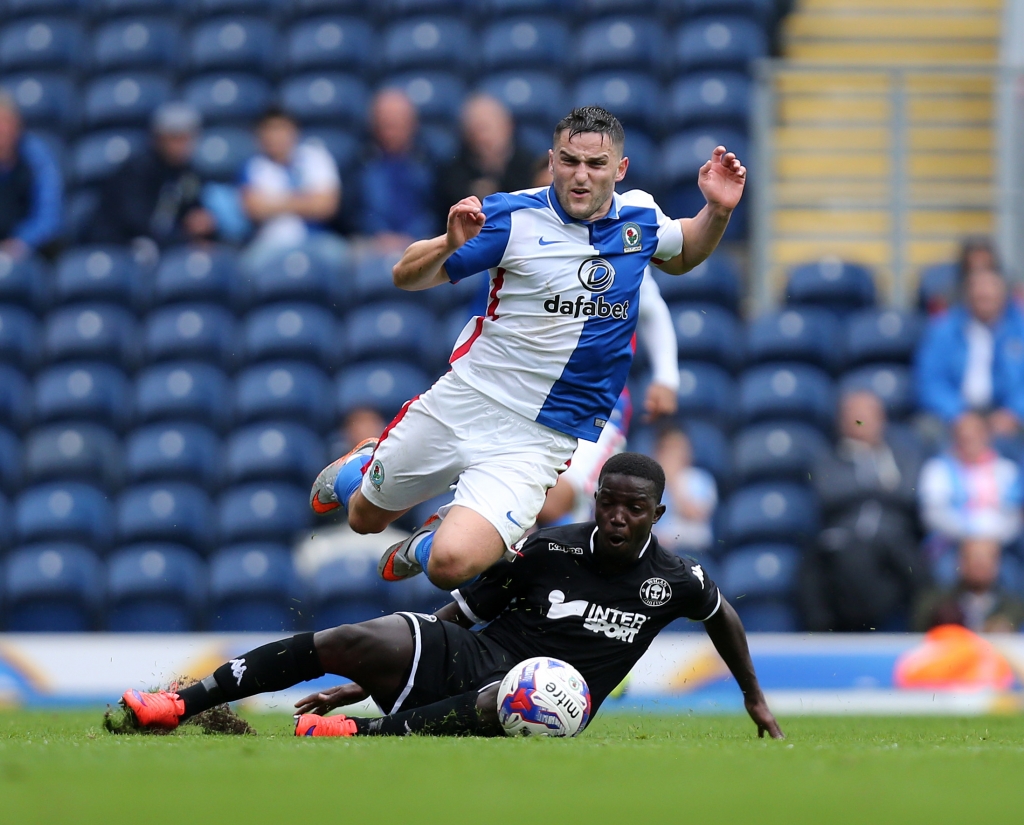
x=730, y=640
x=422, y=265
x=721, y=180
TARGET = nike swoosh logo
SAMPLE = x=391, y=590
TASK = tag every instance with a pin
x=508, y=515
x=542, y=242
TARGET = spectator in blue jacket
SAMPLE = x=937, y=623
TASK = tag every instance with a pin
x=972, y=358
x=31, y=187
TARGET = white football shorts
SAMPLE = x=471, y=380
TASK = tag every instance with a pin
x=502, y=462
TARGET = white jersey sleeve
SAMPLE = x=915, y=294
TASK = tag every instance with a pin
x=655, y=330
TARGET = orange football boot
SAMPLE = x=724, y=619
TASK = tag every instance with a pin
x=162, y=709
x=310, y=724
x=399, y=560
x=322, y=497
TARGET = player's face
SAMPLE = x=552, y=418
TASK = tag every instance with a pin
x=584, y=170
x=625, y=510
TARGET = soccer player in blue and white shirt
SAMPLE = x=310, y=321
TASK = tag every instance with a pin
x=541, y=368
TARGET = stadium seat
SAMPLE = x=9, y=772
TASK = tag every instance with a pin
x=777, y=450
x=125, y=98
x=11, y=473
x=770, y=512
x=437, y=95
x=709, y=443
x=170, y=511
x=135, y=43
x=644, y=169
x=97, y=332
x=188, y=274
x=102, y=9
x=619, y=43
x=174, y=451
x=806, y=334
x=241, y=43
x=6, y=524
x=45, y=99
x=710, y=98
x=372, y=280
x=633, y=96
x=381, y=385
x=51, y=588
x=199, y=332
x=278, y=451
x=343, y=146
x=12, y=9
x=401, y=8
x=439, y=142
x=254, y=588
x=769, y=616
x=937, y=287
x=684, y=153
x=326, y=97
x=297, y=274
x=504, y=8
x=347, y=591
x=24, y=281
x=64, y=511
x=287, y=390
x=79, y=212
x=523, y=43
x=222, y=97
x=96, y=156
x=292, y=330
x=83, y=390
x=707, y=332
x=186, y=390
x=881, y=335
x=390, y=330
x=15, y=398
x=727, y=42
x=201, y=9
x=787, y=390
x=266, y=511
x=73, y=452
x=533, y=97
x=40, y=43
x=427, y=43
x=335, y=43
x=761, y=571
x=309, y=8
x=155, y=588
x=19, y=337
x=893, y=383
x=222, y=152
x=833, y=284
x=707, y=392
x=98, y=273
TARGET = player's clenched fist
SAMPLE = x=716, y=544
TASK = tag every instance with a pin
x=465, y=220
x=722, y=178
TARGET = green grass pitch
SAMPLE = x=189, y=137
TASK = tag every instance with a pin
x=60, y=767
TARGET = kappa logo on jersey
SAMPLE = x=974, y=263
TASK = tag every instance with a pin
x=699, y=574
x=655, y=592
x=596, y=275
x=376, y=474
x=631, y=238
x=613, y=623
x=238, y=669
x=554, y=547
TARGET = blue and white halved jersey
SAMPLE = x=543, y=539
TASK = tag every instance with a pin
x=556, y=341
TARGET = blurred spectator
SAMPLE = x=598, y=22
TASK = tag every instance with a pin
x=976, y=601
x=489, y=160
x=971, y=491
x=972, y=358
x=395, y=197
x=864, y=570
x=359, y=424
x=690, y=494
x=977, y=252
x=156, y=194
x=31, y=187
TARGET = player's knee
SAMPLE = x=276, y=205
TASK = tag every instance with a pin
x=448, y=568
x=363, y=518
x=487, y=710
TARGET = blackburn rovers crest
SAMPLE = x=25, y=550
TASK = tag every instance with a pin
x=631, y=238
x=376, y=474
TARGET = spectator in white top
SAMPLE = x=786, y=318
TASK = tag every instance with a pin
x=291, y=190
x=690, y=495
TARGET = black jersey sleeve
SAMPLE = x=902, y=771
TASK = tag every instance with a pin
x=700, y=598
x=493, y=590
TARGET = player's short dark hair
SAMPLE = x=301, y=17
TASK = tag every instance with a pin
x=275, y=112
x=592, y=119
x=636, y=465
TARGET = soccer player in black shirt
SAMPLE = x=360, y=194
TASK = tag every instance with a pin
x=594, y=595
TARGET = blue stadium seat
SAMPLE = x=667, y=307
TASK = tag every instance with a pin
x=644, y=169
x=75, y=451
x=171, y=511
x=265, y=511
x=718, y=43
x=293, y=330
x=347, y=591
x=308, y=8
x=343, y=146
x=40, y=43
x=233, y=43
x=100, y=332
x=52, y=588
x=400, y=8
x=533, y=97
x=98, y=273
x=19, y=336
x=777, y=450
x=186, y=390
x=769, y=616
x=79, y=210
x=937, y=287
x=427, y=43
x=805, y=334
x=136, y=43
x=345, y=43
x=503, y=8
x=591, y=9
x=326, y=97
x=280, y=451
x=390, y=330
x=893, y=383
x=439, y=142
x=619, y=43
x=125, y=98
x=763, y=11
x=708, y=332
x=221, y=97
x=97, y=155
x=24, y=281
x=373, y=280
x=254, y=588
x=11, y=472
x=288, y=390
x=634, y=97
x=787, y=390
x=709, y=443
x=437, y=95
x=15, y=398
x=833, y=284
x=6, y=471
x=174, y=451
x=83, y=390
x=298, y=274
x=64, y=511
x=155, y=588
x=881, y=335
x=200, y=9
x=381, y=385
x=200, y=332
x=524, y=42
x=712, y=98
x=222, y=152
x=761, y=571
x=771, y=512
x=706, y=391
x=45, y=99
x=685, y=152
x=11, y=9
x=118, y=8
x=187, y=274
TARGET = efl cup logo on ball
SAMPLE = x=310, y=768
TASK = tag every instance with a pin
x=543, y=697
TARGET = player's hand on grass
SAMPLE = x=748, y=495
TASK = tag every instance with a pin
x=327, y=700
x=465, y=220
x=757, y=707
x=659, y=401
x=722, y=179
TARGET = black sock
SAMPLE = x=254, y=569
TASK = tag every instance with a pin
x=457, y=716
x=275, y=666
